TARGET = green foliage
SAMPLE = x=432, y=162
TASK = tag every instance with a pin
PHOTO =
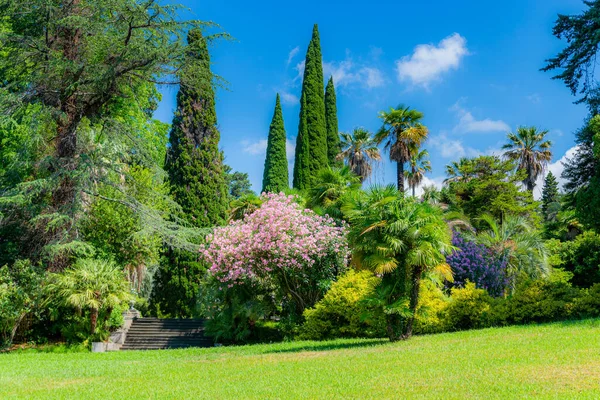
x=468, y=308
x=550, y=196
x=197, y=180
x=238, y=183
x=530, y=152
x=343, y=311
x=578, y=59
x=20, y=293
x=359, y=150
x=419, y=165
x=331, y=187
x=92, y=106
x=402, y=240
x=520, y=244
x=431, y=310
x=331, y=120
x=403, y=134
x=233, y=315
x=194, y=162
x=95, y=285
x=275, y=176
x=582, y=258
x=486, y=185
x=311, y=142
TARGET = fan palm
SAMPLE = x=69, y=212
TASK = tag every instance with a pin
x=331, y=185
x=455, y=170
x=244, y=205
x=522, y=246
x=419, y=165
x=97, y=285
x=402, y=133
x=402, y=240
x=359, y=150
x=531, y=151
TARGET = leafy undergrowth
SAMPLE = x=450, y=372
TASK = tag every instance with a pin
x=560, y=360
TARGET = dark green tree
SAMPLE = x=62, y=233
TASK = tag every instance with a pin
x=276, y=176
x=311, y=142
x=238, y=183
x=487, y=185
x=331, y=120
x=79, y=61
x=550, y=194
x=197, y=181
x=578, y=59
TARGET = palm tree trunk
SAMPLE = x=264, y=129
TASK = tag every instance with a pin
x=93, y=320
x=400, y=176
x=414, y=301
x=413, y=190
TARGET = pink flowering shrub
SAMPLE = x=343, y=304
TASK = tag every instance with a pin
x=282, y=245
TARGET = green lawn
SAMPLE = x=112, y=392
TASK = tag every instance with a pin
x=550, y=361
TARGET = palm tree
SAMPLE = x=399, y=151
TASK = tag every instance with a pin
x=97, y=285
x=521, y=244
x=455, y=170
x=532, y=153
x=419, y=165
x=403, y=134
x=359, y=150
x=244, y=205
x=331, y=186
x=402, y=240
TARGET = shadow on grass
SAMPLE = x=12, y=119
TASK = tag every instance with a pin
x=325, y=346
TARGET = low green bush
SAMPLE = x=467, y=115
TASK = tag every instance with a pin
x=468, y=308
x=343, y=312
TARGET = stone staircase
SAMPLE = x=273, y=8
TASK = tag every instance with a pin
x=155, y=334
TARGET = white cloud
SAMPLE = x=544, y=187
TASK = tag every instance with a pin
x=468, y=123
x=347, y=72
x=292, y=54
x=451, y=148
x=259, y=148
x=428, y=62
x=534, y=98
x=438, y=182
x=255, y=148
x=373, y=77
x=289, y=98
x=300, y=69
x=557, y=169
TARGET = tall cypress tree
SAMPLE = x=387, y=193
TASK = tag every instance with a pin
x=196, y=176
x=275, y=176
x=331, y=120
x=549, y=193
x=311, y=143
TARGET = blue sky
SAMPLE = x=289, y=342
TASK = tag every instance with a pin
x=472, y=67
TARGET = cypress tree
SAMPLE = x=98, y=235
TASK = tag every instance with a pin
x=311, y=143
x=331, y=120
x=549, y=193
x=275, y=176
x=197, y=182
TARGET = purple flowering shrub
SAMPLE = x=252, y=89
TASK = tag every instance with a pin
x=478, y=264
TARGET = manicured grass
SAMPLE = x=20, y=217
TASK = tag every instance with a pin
x=550, y=361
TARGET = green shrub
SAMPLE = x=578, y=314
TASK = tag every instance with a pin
x=537, y=301
x=431, y=310
x=468, y=308
x=582, y=257
x=343, y=311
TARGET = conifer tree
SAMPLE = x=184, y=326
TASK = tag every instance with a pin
x=197, y=180
x=549, y=193
x=275, y=176
x=331, y=120
x=311, y=143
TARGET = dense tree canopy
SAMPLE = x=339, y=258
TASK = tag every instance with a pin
x=311, y=142
x=275, y=175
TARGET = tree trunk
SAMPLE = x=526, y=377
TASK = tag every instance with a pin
x=93, y=320
x=400, y=176
x=13, y=332
x=414, y=190
x=413, y=300
x=392, y=322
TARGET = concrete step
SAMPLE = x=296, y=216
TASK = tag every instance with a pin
x=154, y=334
